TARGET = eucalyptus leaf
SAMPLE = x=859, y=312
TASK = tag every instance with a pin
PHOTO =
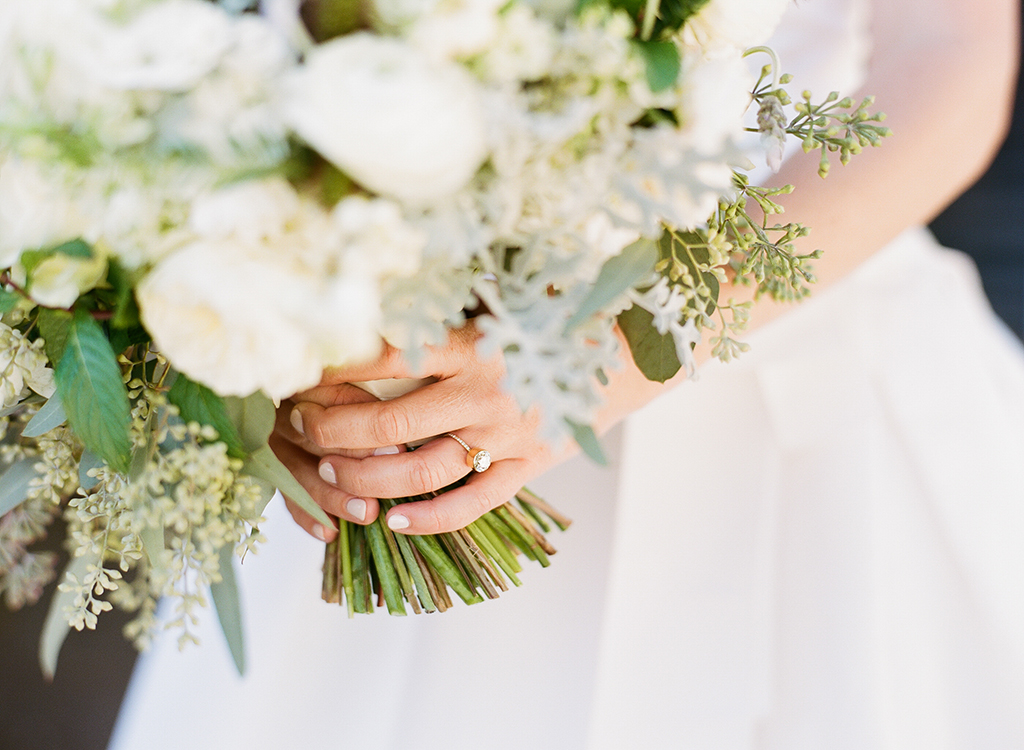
x=586, y=438
x=49, y=416
x=654, y=353
x=56, y=627
x=154, y=544
x=88, y=461
x=253, y=418
x=227, y=603
x=54, y=326
x=263, y=464
x=619, y=273
x=33, y=399
x=14, y=484
x=197, y=403
x=94, y=395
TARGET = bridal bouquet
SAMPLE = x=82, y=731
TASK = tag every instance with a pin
x=203, y=205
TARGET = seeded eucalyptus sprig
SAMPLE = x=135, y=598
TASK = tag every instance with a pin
x=668, y=315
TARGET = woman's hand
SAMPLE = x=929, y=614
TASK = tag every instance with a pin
x=347, y=448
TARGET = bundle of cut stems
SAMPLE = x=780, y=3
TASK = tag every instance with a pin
x=367, y=566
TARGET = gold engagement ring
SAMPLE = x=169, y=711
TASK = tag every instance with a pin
x=476, y=458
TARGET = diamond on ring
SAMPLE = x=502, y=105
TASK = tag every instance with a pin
x=477, y=459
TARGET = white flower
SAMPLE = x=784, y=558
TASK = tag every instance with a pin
x=374, y=238
x=168, y=46
x=715, y=94
x=397, y=124
x=241, y=319
x=34, y=210
x=738, y=24
x=251, y=211
x=23, y=365
x=58, y=280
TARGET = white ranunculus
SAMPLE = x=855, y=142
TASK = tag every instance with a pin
x=738, y=24
x=240, y=319
x=398, y=124
x=456, y=28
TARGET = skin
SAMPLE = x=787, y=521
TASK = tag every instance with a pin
x=943, y=72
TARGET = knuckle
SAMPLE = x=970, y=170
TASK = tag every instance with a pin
x=392, y=425
x=427, y=475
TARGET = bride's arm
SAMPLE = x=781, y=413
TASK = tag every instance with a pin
x=943, y=72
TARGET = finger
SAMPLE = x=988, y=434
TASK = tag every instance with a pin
x=437, y=464
x=285, y=424
x=312, y=527
x=461, y=506
x=434, y=409
x=327, y=495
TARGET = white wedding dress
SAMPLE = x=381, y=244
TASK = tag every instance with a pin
x=819, y=547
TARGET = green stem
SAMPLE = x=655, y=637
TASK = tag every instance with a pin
x=345, y=553
x=430, y=548
x=386, y=573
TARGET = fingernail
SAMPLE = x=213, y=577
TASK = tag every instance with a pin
x=296, y=418
x=357, y=507
x=327, y=474
x=397, y=521
x=387, y=450
x=320, y=532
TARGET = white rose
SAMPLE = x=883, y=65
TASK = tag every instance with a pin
x=734, y=23
x=397, y=124
x=239, y=320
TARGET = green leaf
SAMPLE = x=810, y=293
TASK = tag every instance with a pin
x=227, y=603
x=586, y=438
x=327, y=19
x=619, y=273
x=50, y=415
x=77, y=248
x=662, y=64
x=197, y=403
x=93, y=393
x=253, y=418
x=263, y=464
x=14, y=484
x=654, y=353
x=126, y=309
x=56, y=627
x=8, y=300
x=54, y=326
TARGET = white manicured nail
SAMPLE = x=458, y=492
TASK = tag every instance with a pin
x=320, y=532
x=398, y=521
x=296, y=418
x=357, y=507
x=387, y=450
x=327, y=474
